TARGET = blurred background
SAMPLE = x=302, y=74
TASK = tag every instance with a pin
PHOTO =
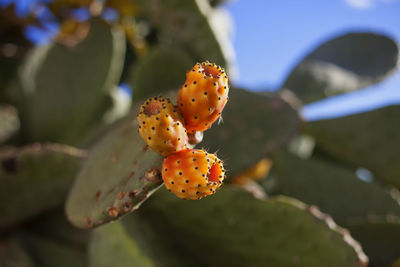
x=310, y=136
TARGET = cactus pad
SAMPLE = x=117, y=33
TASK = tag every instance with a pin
x=35, y=179
x=369, y=139
x=66, y=91
x=319, y=182
x=345, y=63
x=120, y=173
x=231, y=228
x=253, y=126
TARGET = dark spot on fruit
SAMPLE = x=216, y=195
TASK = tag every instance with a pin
x=185, y=85
x=149, y=138
x=157, y=118
x=183, y=190
x=178, y=161
x=10, y=165
x=152, y=128
x=180, y=173
x=194, y=159
x=195, y=117
x=143, y=122
x=172, y=182
x=194, y=82
x=197, y=192
x=199, y=185
x=153, y=107
x=205, y=93
x=196, y=168
x=193, y=99
x=187, y=181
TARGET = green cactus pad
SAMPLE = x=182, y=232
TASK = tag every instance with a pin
x=34, y=179
x=345, y=63
x=318, y=182
x=163, y=69
x=120, y=173
x=110, y=244
x=132, y=240
x=9, y=122
x=253, y=126
x=177, y=21
x=370, y=140
x=8, y=70
x=52, y=241
x=231, y=228
x=50, y=253
x=379, y=237
x=66, y=90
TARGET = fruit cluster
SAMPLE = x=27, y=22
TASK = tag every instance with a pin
x=171, y=131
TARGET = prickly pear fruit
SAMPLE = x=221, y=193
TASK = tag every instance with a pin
x=161, y=126
x=192, y=173
x=203, y=96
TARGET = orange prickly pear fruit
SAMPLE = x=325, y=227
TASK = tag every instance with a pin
x=161, y=126
x=203, y=96
x=192, y=173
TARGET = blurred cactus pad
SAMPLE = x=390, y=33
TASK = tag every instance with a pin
x=79, y=187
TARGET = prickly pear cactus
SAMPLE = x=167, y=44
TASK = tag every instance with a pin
x=243, y=138
x=35, y=179
x=351, y=139
x=120, y=173
x=346, y=63
x=236, y=225
x=68, y=92
x=64, y=90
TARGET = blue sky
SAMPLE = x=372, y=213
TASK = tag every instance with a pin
x=272, y=36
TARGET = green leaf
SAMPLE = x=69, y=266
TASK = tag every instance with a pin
x=9, y=122
x=370, y=140
x=187, y=24
x=345, y=63
x=332, y=188
x=253, y=126
x=120, y=173
x=379, y=237
x=231, y=228
x=35, y=179
x=66, y=91
x=162, y=69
